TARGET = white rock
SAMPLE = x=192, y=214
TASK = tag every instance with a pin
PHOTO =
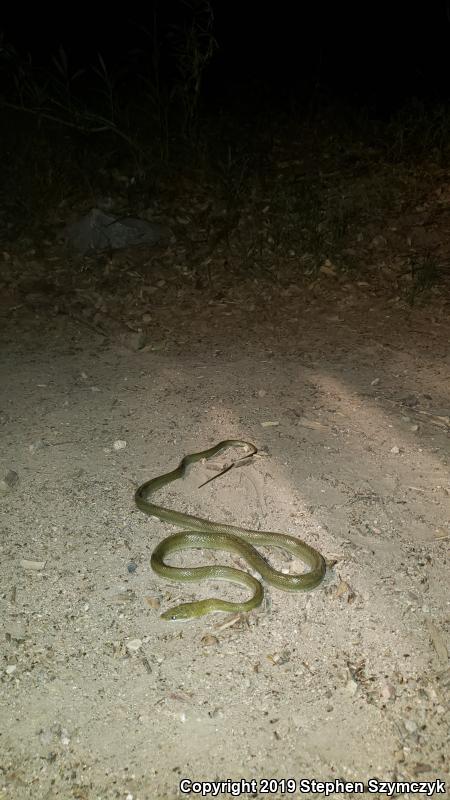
x=27, y=563
x=134, y=645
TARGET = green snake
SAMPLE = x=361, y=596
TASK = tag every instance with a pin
x=208, y=535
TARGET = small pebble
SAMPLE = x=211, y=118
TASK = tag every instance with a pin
x=39, y=444
x=351, y=686
x=64, y=737
x=209, y=639
x=132, y=566
x=279, y=658
x=46, y=736
x=136, y=340
x=119, y=444
x=27, y=563
x=16, y=631
x=9, y=481
x=153, y=602
x=387, y=692
x=420, y=768
x=134, y=645
x=395, y=450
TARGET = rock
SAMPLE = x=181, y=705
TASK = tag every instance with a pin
x=152, y=602
x=9, y=481
x=27, y=563
x=98, y=231
x=133, y=646
x=16, y=631
x=410, y=725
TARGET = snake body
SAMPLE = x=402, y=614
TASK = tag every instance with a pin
x=206, y=534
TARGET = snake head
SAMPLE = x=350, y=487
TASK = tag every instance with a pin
x=181, y=613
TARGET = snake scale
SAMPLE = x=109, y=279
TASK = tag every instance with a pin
x=205, y=534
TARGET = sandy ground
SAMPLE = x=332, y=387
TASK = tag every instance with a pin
x=347, y=400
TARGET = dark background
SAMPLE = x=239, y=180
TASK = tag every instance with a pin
x=379, y=54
